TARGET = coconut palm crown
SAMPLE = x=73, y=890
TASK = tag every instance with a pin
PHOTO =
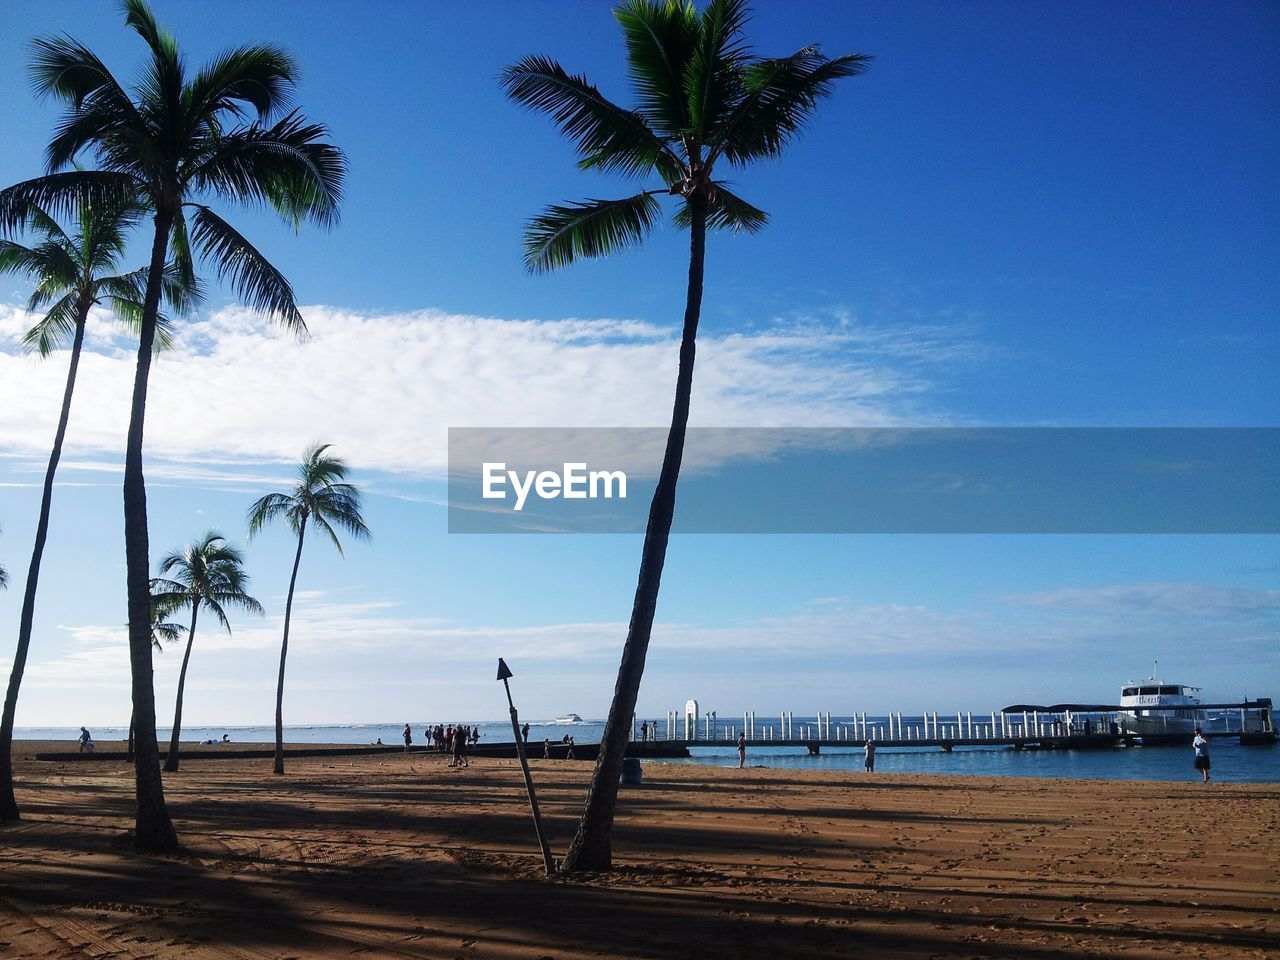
x=173, y=142
x=208, y=574
x=706, y=102
x=324, y=498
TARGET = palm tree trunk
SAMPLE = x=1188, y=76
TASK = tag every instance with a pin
x=284, y=652
x=171, y=761
x=8, y=802
x=153, y=830
x=592, y=846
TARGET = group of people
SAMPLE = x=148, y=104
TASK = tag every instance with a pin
x=450, y=739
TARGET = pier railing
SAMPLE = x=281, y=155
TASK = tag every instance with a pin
x=1060, y=726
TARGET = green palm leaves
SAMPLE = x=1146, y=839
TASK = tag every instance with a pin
x=703, y=97
x=321, y=495
x=208, y=574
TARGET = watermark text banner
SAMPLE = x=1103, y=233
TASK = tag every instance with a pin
x=885, y=480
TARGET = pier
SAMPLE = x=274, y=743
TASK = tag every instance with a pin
x=1020, y=727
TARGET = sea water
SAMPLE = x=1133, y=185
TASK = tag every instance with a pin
x=1231, y=762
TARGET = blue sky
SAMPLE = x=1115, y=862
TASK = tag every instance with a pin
x=1023, y=214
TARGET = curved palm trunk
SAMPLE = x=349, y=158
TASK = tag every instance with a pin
x=592, y=846
x=153, y=830
x=284, y=652
x=171, y=761
x=8, y=802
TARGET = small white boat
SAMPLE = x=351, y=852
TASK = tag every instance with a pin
x=1179, y=714
x=569, y=718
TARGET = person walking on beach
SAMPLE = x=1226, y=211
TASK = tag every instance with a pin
x=408, y=738
x=546, y=748
x=1201, y=747
x=459, y=748
x=742, y=750
x=86, y=741
x=870, y=762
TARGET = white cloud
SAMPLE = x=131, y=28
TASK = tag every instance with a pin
x=385, y=388
x=1199, y=600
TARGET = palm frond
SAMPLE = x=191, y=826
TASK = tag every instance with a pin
x=258, y=75
x=289, y=166
x=259, y=284
x=163, y=91
x=592, y=228
x=607, y=137
x=60, y=194
x=713, y=78
x=781, y=95
x=56, y=328
x=268, y=508
x=66, y=69
x=16, y=258
x=726, y=211
x=660, y=40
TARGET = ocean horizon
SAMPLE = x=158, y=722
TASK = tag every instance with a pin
x=1232, y=763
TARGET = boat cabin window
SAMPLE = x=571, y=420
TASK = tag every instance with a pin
x=1170, y=690
x=1149, y=691
x=1129, y=692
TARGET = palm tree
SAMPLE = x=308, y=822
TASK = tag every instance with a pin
x=183, y=138
x=73, y=272
x=705, y=101
x=321, y=496
x=210, y=574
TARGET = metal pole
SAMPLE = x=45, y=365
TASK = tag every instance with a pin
x=547, y=862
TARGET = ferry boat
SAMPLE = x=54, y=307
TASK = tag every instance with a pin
x=1153, y=692
x=569, y=718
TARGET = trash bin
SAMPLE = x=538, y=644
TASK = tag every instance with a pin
x=631, y=772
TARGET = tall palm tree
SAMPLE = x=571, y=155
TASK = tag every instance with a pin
x=209, y=573
x=322, y=497
x=73, y=272
x=705, y=101
x=179, y=139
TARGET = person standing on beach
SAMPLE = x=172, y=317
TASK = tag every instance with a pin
x=742, y=750
x=1201, y=746
x=408, y=738
x=524, y=733
x=870, y=762
x=546, y=748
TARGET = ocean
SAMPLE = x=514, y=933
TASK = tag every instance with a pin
x=1231, y=762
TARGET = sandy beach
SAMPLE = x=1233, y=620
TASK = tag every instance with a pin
x=401, y=856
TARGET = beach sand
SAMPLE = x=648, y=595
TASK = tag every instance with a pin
x=401, y=856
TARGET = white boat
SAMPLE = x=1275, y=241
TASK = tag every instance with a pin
x=1180, y=714
x=569, y=718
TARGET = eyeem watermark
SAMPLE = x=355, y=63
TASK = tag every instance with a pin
x=575, y=482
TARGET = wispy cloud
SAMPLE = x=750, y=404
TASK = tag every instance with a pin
x=385, y=388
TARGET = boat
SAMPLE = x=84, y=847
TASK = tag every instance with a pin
x=1177, y=712
x=569, y=718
